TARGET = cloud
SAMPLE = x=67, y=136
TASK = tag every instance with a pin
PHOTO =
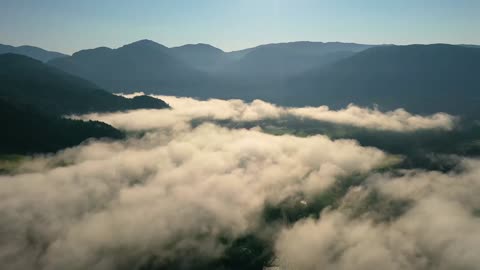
x=176, y=192
x=397, y=120
x=439, y=231
x=170, y=194
x=237, y=110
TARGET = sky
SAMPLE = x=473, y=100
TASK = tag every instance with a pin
x=71, y=25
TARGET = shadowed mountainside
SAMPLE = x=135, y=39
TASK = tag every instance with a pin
x=28, y=81
x=420, y=78
x=33, y=98
x=30, y=131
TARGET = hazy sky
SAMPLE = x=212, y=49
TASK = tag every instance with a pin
x=71, y=25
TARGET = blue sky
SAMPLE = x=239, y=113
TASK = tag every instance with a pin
x=68, y=25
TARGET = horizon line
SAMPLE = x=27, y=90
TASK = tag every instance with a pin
x=247, y=48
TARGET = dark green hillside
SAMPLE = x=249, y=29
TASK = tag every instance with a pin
x=33, y=98
x=26, y=130
x=28, y=81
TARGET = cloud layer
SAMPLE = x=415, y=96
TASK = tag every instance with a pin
x=441, y=229
x=179, y=192
x=171, y=194
x=237, y=110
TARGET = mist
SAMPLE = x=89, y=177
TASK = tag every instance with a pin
x=179, y=195
x=440, y=230
x=172, y=193
x=187, y=109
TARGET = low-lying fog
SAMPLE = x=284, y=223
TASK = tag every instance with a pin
x=187, y=184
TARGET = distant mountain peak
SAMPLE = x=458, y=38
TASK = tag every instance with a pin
x=199, y=47
x=144, y=43
x=94, y=50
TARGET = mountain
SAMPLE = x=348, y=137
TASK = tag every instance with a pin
x=27, y=130
x=419, y=78
x=201, y=56
x=280, y=60
x=260, y=72
x=24, y=80
x=200, y=70
x=143, y=65
x=33, y=98
x=255, y=72
x=30, y=51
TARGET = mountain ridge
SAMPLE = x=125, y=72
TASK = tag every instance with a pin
x=142, y=65
x=31, y=51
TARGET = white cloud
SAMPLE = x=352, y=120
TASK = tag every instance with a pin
x=171, y=194
x=237, y=110
x=176, y=190
x=397, y=120
x=439, y=231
